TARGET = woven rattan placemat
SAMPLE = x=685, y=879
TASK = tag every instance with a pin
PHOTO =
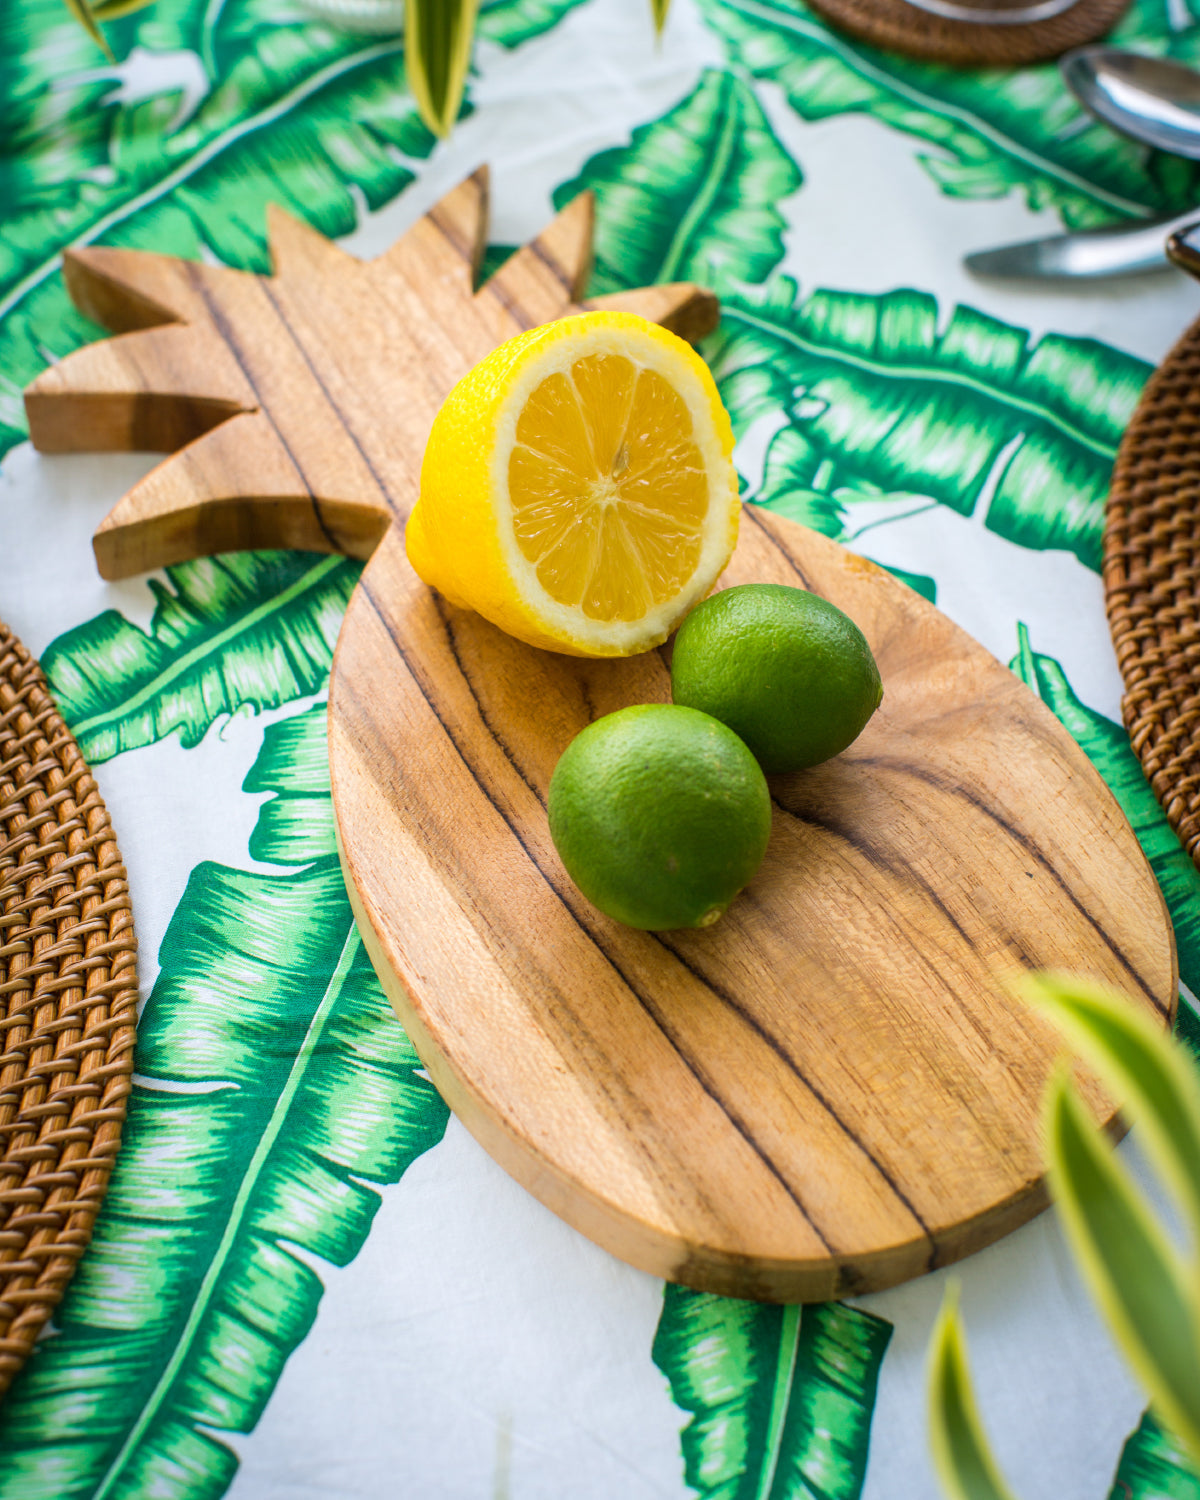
x=1152, y=583
x=899, y=27
x=68, y=1003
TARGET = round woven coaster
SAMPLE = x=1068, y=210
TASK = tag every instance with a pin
x=68, y=1003
x=1152, y=583
x=899, y=27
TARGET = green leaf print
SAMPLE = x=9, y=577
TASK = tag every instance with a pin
x=512, y=22
x=297, y=112
x=885, y=403
x=250, y=628
x=989, y=132
x=1154, y=1467
x=1108, y=748
x=779, y=1398
x=694, y=195
x=277, y=1091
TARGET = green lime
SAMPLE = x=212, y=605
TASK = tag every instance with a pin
x=786, y=670
x=660, y=815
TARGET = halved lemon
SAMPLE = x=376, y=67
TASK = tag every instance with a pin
x=577, y=488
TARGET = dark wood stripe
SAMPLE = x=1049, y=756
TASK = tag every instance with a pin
x=568, y=904
x=749, y=507
x=555, y=267
x=449, y=233
x=785, y=1056
x=455, y=877
x=1033, y=850
x=338, y=410
x=229, y=335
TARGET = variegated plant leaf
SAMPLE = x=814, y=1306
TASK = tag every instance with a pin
x=439, y=35
x=884, y=401
x=277, y=1092
x=250, y=629
x=83, y=14
x=1156, y=1085
x=962, y=1455
x=693, y=197
x=1149, y=1296
x=984, y=133
x=779, y=1399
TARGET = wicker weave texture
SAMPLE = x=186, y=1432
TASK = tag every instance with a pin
x=68, y=1003
x=1152, y=584
x=900, y=27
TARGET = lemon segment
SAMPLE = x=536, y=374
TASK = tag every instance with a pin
x=577, y=488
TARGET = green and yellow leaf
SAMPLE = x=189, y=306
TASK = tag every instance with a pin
x=1155, y=1084
x=440, y=34
x=962, y=1455
x=1147, y=1293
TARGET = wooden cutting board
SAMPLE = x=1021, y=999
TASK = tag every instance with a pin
x=826, y=1093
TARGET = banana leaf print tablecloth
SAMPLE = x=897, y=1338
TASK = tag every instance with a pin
x=307, y=1279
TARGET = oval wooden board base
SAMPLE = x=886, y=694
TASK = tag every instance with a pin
x=831, y=1090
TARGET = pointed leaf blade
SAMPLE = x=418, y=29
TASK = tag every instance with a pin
x=1146, y=1294
x=961, y=1452
x=439, y=37
x=1151, y=1080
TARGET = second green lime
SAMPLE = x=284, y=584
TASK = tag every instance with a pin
x=660, y=815
x=788, y=672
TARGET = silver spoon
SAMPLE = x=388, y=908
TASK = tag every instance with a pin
x=1149, y=99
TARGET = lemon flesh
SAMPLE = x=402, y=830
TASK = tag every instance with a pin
x=577, y=487
x=660, y=815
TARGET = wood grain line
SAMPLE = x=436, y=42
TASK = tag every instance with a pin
x=228, y=332
x=555, y=267
x=343, y=416
x=456, y=874
x=957, y=790
x=784, y=1054
x=569, y=898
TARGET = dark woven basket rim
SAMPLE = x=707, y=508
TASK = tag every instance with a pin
x=1152, y=584
x=897, y=26
x=68, y=1003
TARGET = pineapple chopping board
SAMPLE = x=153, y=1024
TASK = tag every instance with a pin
x=829, y=1091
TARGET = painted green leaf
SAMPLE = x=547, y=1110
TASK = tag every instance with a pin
x=779, y=1399
x=1153, y=1466
x=694, y=195
x=251, y=628
x=297, y=112
x=278, y=1091
x=1107, y=746
x=512, y=22
x=965, y=1463
x=986, y=132
x=884, y=401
